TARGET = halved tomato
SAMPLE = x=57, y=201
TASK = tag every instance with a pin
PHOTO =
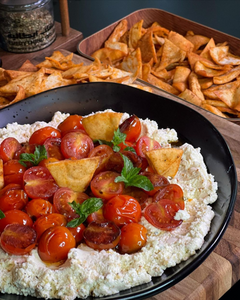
x=173, y=192
x=8, y=147
x=39, y=136
x=145, y=144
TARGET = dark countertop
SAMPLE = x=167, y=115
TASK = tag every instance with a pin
x=89, y=16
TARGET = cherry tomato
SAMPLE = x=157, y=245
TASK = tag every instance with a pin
x=55, y=243
x=145, y=144
x=132, y=128
x=39, y=207
x=8, y=147
x=157, y=180
x=77, y=232
x=26, y=148
x=122, y=209
x=161, y=214
x=70, y=123
x=101, y=236
x=18, y=239
x=173, y=192
x=47, y=221
x=53, y=148
x=104, y=152
x=15, y=216
x=12, y=196
x=63, y=197
x=133, y=238
x=96, y=216
x=138, y=161
x=76, y=144
x=115, y=163
x=46, y=161
x=139, y=194
x=39, y=136
x=126, y=144
x=13, y=172
x=103, y=185
x=39, y=182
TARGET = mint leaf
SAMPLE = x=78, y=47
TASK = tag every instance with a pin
x=2, y=215
x=39, y=154
x=130, y=176
x=84, y=210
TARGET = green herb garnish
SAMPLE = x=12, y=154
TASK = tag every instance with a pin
x=118, y=138
x=2, y=215
x=130, y=176
x=84, y=210
x=39, y=154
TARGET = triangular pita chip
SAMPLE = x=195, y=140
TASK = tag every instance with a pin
x=75, y=174
x=165, y=161
x=102, y=125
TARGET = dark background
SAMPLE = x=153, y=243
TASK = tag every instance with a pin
x=89, y=16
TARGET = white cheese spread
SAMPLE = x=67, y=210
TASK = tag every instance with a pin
x=100, y=273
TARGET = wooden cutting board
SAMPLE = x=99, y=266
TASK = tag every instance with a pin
x=215, y=276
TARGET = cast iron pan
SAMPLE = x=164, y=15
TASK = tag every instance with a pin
x=191, y=126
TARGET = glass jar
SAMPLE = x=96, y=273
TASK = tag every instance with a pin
x=26, y=25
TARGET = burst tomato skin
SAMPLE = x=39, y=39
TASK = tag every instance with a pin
x=39, y=183
x=39, y=136
x=145, y=144
x=96, y=216
x=18, y=239
x=63, y=197
x=103, y=185
x=71, y=123
x=102, y=236
x=161, y=214
x=12, y=196
x=132, y=128
x=55, y=243
x=158, y=181
x=8, y=147
x=76, y=144
x=104, y=152
x=77, y=232
x=53, y=148
x=122, y=209
x=13, y=172
x=15, y=216
x=39, y=207
x=47, y=221
x=133, y=238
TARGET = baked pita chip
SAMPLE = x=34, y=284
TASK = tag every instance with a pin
x=101, y=126
x=214, y=110
x=180, y=78
x=221, y=55
x=147, y=47
x=119, y=31
x=229, y=94
x=13, y=74
x=55, y=80
x=108, y=55
x=117, y=46
x=191, y=97
x=135, y=34
x=165, y=161
x=27, y=66
x=162, y=85
x=1, y=174
x=194, y=85
x=204, y=71
x=133, y=63
x=197, y=40
x=180, y=41
x=75, y=174
x=227, y=77
x=205, y=83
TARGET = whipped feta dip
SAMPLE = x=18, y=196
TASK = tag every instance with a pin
x=101, y=273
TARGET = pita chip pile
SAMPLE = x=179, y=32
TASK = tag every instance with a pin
x=193, y=67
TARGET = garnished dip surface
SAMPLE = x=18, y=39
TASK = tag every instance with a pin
x=92, y=205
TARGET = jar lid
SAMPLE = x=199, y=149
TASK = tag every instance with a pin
x=18, y=3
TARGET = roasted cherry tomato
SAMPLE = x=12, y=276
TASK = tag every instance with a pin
x=12, y=196
x=47, y=221
x=157, y=180
x=18, y=239
x=173, y=192
x=8, y=147
x=70, y=123
x=13, y=172
x=39, y=182
x=101, y=236
x=96, y=216
x=26, y=148
x=39, y=207
x=53, y=148
x=55, y=244
x=132, y=128
x=145, y=144
x=76, y=144
x=15, y=216
x=77, y=232
x=133, y=238
x=39, y=136
x=139, y=194
x=63, y=197
x=122, y=209
x=103, y=185
x=104, y=152
x=161, y=214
